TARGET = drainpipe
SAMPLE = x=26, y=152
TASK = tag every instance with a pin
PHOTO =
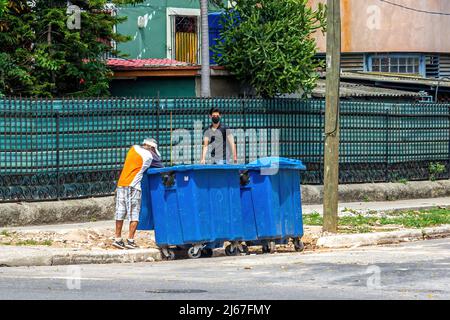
x=437, y=88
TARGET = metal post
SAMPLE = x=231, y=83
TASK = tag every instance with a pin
x=448, y=160
x=244, y=124
x=331, y=154
x=386, y=172
x=157, y=116
x=171, y=146
x=58, y=189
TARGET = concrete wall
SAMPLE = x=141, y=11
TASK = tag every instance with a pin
x=166, y=87
x=222, y=86
x=151, y=41
x=376, y=26
x=173, y=87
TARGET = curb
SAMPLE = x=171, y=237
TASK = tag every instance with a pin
x=379, y=238
x=103, y=257
x=45, y=257
x=437, y=232
x=416, y=208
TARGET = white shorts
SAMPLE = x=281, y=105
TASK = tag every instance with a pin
x=128, y=203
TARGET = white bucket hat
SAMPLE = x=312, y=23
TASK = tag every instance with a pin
x=152, y=143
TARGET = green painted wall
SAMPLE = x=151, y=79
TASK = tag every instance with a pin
x=149, y=42
x=149, y=87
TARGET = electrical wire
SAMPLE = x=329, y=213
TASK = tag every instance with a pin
x=414, y=9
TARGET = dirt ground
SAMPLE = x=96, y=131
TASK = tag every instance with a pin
x=101, y=239
x=90, y=239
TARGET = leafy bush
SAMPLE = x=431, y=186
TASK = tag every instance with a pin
x=435, y=169
x=3, y=4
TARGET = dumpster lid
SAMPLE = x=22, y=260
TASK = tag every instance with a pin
x=182, y=168
x=271, y=162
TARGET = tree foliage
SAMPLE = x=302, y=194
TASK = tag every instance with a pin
x=269, y=45
x=3, y=4
x=41, y=56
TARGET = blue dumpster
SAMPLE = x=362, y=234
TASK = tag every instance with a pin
x=196, y=207
x=272, y=197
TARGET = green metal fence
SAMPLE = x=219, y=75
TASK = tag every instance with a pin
x=58, y=149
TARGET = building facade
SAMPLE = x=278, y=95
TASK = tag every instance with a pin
x=161, y=29
x=395, y=36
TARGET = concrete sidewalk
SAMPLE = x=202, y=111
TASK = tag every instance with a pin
x=383, y=206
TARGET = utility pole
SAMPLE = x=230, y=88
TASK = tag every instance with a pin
x=205, y=72
x=331, y=150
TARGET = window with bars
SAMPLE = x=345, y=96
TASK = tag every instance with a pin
x=185, y=38
x=407, y=64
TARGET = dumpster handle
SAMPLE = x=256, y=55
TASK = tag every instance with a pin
x=244, y=178
x=168, y=179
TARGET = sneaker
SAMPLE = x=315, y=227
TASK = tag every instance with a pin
x=131, y=244
x=119, y=244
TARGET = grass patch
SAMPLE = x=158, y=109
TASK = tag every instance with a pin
x=5, y=233
x=407, y=219
x=31, y=242
x=420, y=219
x=313, y=219
x=27, y=243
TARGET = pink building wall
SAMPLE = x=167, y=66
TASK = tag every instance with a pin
x=376, y=26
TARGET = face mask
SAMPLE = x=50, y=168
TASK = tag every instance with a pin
x=215, y=120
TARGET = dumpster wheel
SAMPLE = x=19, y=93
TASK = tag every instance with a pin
x=207, y=253
x=243, y=249
x=195, y=252
x=298, y=245
x=269, y=247
x=168, y=254
x=231, y=250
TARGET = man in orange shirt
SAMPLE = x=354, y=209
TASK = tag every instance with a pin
x=128, y=193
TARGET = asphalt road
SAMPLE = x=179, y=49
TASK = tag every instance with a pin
x=419, y=270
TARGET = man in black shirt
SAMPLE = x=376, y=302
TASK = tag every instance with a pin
x=219, y=139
